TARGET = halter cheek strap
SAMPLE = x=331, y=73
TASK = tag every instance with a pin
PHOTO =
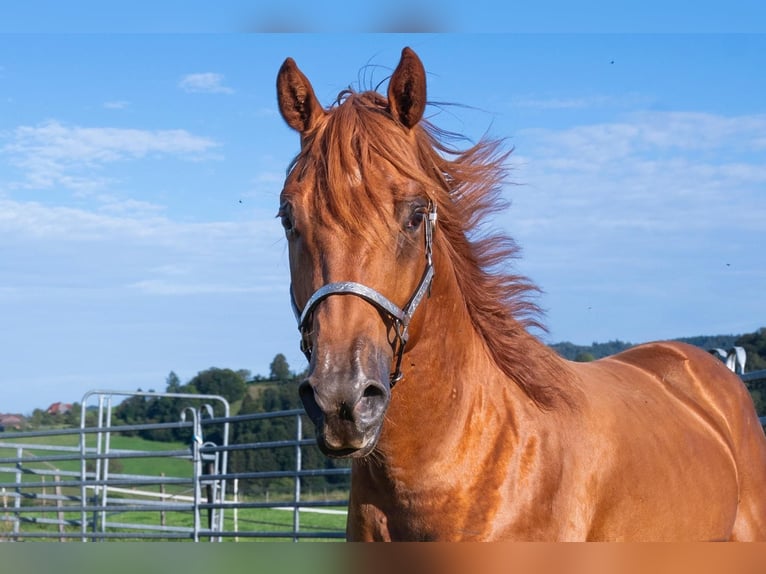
x=399, y=318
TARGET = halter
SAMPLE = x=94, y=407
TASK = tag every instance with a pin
x=399, y=317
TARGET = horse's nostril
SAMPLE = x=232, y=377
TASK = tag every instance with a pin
x=305, y=391
x=346, y=413
x=308, y=398
x=374, y=391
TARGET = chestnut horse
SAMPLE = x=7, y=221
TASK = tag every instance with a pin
x=461, y=424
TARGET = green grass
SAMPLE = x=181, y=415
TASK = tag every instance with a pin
x=249, y=519
x=144, y=466
x=260, y=520
x=117, y=441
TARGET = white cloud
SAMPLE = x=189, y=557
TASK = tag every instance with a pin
x=659, y=191
x=165, y=287
x=116, y=105
x=54, y=249
x=656, y=132
x=132, y=207
x=55, y=154
x=32, y=220
x=209, y=83
x=557, y=103
x=130, y=222
x=642, y=224
x=537, y=102
x=87, y=290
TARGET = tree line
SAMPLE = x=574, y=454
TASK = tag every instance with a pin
x=753, y=343
x=247, y=393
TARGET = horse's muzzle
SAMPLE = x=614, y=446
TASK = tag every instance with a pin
x=347, y=411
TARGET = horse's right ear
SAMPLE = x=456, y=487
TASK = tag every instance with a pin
x=297, y=102
x=407, y=89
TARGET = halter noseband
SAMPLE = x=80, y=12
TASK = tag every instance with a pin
x=399, y=317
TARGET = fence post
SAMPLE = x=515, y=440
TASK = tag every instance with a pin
x=5, y=517
x=163, y=499
x=105, y=464
x=196, y=466
x=236, y=508
x=97, y=469
x=297, y=497
x=210, y=470
x=59, y=512
x=17, y=501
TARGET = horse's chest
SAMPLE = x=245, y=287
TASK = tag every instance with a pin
x=470, y=512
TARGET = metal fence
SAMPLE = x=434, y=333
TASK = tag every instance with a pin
x=70, y=484
x=73, y=484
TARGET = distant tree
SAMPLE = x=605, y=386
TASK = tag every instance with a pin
x=273, y=398
x=584, y=357
x=73, y=415
x=758, y=394
x=243, y=433
x=571, y=351
x=280, y=370
x=709, y=342
x=276, y=397
x=40, y=418
x=132, y=411
x=755, y=347
x=173, y=383
x=229, y=384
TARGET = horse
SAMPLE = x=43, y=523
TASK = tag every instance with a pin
x=424, y=369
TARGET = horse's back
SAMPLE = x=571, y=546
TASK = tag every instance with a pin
x=701, y=383
x=699, y=419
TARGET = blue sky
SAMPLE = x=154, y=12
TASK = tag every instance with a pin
x=139, y=177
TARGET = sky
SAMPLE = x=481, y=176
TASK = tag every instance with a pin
x=140, y=175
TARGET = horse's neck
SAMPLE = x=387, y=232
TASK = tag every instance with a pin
x=451, y=389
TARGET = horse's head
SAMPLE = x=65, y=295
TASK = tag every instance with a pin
x=358, y=216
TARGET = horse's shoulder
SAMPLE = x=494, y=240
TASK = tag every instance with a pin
x=660, y=354
x=680, y=365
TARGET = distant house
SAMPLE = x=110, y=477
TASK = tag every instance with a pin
x=59, y=408
x=11, y=421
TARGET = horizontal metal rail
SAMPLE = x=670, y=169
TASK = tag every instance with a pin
x=40, y=501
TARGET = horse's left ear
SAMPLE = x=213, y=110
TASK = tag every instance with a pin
x=407, y=89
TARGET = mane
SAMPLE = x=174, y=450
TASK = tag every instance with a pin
x=466, y=187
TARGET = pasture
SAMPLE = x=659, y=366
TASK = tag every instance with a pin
x=137, y=489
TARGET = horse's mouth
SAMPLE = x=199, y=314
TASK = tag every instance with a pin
x=347, y=452
x=357, y=445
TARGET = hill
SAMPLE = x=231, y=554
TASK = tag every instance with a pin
x=598, y=350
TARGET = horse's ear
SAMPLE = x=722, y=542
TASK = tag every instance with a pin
x=407, y=89
x=297, y=101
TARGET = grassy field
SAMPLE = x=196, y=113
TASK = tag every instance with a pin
x=146, y=466
x=253, y=520
x=253, y=524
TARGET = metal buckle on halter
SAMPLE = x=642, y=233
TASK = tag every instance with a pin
x=429, y=231
x=400, y=317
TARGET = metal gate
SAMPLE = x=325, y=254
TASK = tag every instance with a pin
x=69, y=484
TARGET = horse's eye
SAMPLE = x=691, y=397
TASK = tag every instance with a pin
x=416, y=218
x=285, y=216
